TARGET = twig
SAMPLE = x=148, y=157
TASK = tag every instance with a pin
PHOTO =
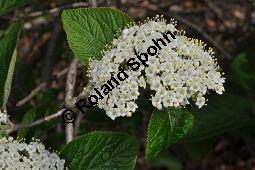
x=217, y=12
x=170, y=3
x=93, y=3
x=53, y=116
x=199, y=30
x=49, y=12
x=41, y=86
x=77, y=124
x=83, y=95
x=193, y=26
x=51, y=48
x=206, y=36
x=70, y=84
x=37, y=122
x=69, y=101
x=69, y=132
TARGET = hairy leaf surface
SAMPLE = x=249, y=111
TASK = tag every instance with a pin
x=7, y=61
x=101, y=150
x=222, y=114
x=89, y=30
x=167, y=128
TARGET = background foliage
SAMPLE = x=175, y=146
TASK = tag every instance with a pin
x=218, y=136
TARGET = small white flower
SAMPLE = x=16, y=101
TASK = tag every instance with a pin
x=125, y=31
x=18, y=155
x=178, y=70
x=200, y=102
x=142, y=82
x=3, y=117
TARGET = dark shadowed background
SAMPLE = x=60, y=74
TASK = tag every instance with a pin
x=223, y=136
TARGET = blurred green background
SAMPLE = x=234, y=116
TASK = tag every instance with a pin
x=223, y=136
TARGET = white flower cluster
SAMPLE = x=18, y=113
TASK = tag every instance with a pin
x=19, y=155
x=174, y=67
x=3, y=118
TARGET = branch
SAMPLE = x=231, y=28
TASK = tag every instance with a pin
x=77, y=124
x=37, y=122
x=53, y=116
x=206, y=36
x=41, y=86
x=217, y=12
x=47, y=62
x=200, y=31
x=193, y=26
x=49, y=12
x=70, y=84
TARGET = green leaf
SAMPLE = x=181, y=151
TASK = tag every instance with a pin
x=89, y=30
x=35, y=113
x=7, y=5
x=222, y=114
x=101, y=150
x=246, y=130
x=243, y=68
x=200, y=149
x=55, y=141
x=167, y=128
x=7, y=61
x=167, y=160
x=29, y=117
